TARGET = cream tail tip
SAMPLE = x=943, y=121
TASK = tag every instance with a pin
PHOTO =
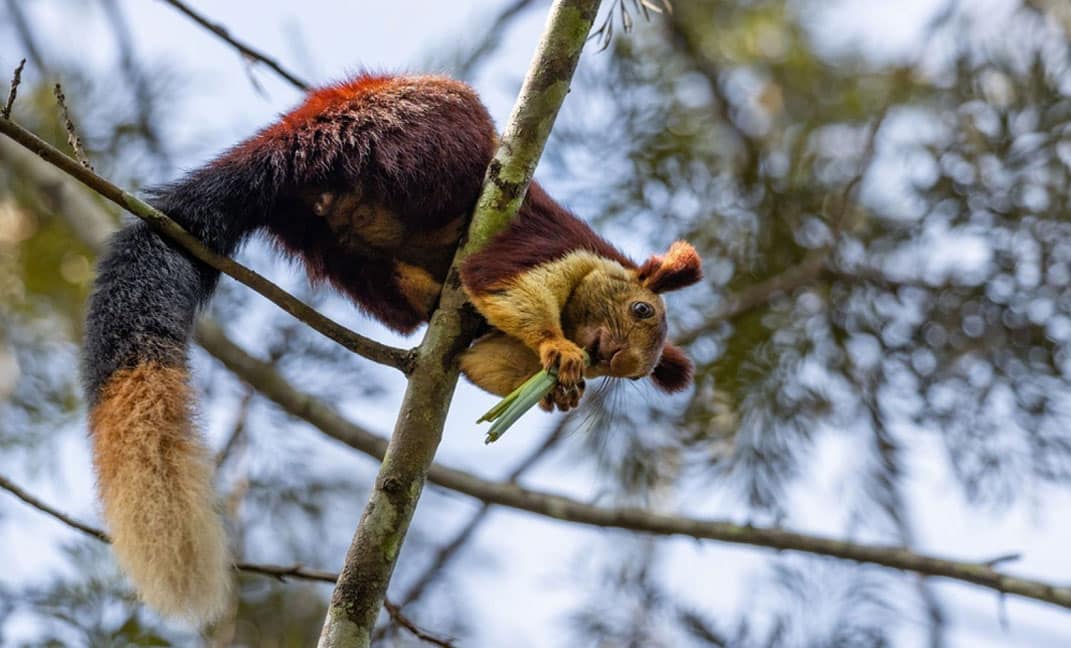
x=155, y=480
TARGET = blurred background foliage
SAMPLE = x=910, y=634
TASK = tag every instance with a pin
x=888, y=256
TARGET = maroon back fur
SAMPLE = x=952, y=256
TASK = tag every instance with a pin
x=417, y=146
x=542, y=231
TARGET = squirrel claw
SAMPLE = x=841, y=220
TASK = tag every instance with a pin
x=566, y=357
x=563, y=397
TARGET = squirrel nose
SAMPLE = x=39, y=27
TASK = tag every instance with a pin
x=605, y=348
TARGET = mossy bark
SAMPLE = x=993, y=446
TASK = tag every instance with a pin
x=362, y=585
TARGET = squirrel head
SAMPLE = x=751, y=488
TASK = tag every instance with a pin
x=619, y=318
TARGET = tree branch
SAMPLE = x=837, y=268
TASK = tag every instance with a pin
x=279, y=572
x=328, y=420
x=245, y=50
x=13, y=90
x=760, y=294
x=371, y=557
x=10, y=487
x=448, y=551
x=684, y=39
x=492, y=38
x=355, y=342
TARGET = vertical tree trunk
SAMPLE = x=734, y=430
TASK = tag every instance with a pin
x=370, y=560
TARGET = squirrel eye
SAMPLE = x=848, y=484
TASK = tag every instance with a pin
x=642, y=309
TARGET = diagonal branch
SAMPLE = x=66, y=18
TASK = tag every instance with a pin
x=492, y=38
x=683, y=37
x=279, y=572
x=9, y=486
x=355, y=342
x=371, y=557
x=449, y=550
x=760, y=294
x=328, y=420
x=245, y=50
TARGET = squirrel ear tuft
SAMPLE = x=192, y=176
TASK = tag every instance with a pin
x=673, y=371
x=679, y=267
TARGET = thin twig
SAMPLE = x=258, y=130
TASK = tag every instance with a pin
x=1004, y=558
x=279, y=572
x=238, y=430
x=392, y=357
x=682, y=36
x=423, y=635
x=36, y=503
x=282, y=572
x=25, y=34
x=245, y=50
x=68, y=125
x=16, y=79
x=492, y=38
x=138, y=80
x=756, y=295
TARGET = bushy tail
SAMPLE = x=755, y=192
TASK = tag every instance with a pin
x=155, y=480
x=154, y=471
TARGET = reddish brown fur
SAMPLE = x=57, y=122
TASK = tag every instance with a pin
x=679, y=267
x=542, y=231
x=323, y=101
x=412, y=147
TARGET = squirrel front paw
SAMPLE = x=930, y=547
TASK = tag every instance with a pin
x=568, y=358
x=562, y=397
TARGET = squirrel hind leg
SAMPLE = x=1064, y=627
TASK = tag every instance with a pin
x=499, y=363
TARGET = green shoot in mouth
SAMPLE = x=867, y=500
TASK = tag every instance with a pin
x=520, y=400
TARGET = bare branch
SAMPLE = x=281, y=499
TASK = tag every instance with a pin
x=245, y=50
x=399, y=618
x=355, y=342
x=279, y=572
x=558, y=507
x=16, y=79
x=10, y=487
x=760, y=294
x=72, y=136
x=282, y=572
x=136, y=77
x=238, y=431
x=491, y=39
x=684, y=39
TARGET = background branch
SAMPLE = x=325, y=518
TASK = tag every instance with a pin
x=279, y=572
x=568, y=509
x=245, y=50
x=448, y=551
